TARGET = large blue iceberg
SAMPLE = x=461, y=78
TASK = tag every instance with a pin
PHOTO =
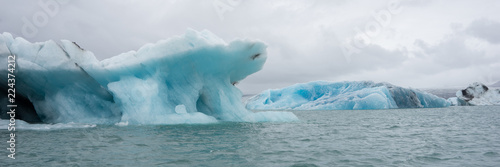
x=355, y=95
x=185, y=79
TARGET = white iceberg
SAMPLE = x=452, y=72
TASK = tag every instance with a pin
x=477, y=94
x=185, y=79
x=356, y=95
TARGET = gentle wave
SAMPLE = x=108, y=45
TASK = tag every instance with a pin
x=21, y=125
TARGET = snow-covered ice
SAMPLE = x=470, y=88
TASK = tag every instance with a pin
x=184, y=79
x=476, y=94
x=353, y=95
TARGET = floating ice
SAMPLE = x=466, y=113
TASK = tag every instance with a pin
x=22, y=125
x=477, y=94
x=185, y=79
x=322, y=95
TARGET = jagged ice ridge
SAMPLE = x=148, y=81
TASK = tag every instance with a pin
x=184, y=79
x=348, y=95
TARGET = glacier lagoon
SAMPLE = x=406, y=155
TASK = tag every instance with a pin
x=116, y=112
x=453, y=136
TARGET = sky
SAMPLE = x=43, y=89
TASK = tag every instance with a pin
x=410, y=43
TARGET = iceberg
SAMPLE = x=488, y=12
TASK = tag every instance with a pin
x=184, y=79
x=355, y=95
x=476, y=94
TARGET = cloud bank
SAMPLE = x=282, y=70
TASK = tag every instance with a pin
x=415, y=43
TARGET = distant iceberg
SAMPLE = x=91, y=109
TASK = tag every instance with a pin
x=477, y=94
x=185, y=79
x=355, y=95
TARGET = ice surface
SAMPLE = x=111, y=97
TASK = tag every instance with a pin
x=355, y=95
x=185, y=79
x=454, y=101
x=22, y=125
x=477, y=94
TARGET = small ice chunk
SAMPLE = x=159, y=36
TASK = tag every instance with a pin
x=180, y=109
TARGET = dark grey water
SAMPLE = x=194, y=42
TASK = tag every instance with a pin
x=455, y=136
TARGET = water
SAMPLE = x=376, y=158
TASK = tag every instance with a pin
x=455, y=136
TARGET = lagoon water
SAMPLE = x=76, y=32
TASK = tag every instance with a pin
x=454, y=136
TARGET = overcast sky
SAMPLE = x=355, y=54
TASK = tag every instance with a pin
x=414, y=43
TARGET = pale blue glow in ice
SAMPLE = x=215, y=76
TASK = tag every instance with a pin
x=185, y=79
x=355, y=95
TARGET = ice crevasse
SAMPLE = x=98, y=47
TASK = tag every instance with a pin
x=348, y=95
x=184, y=79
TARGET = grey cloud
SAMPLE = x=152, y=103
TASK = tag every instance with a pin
x=486, y=29
x=304, y=37
x=452, y=52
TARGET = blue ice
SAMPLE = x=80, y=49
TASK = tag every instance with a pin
x=352, y=95
x=184, y=79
